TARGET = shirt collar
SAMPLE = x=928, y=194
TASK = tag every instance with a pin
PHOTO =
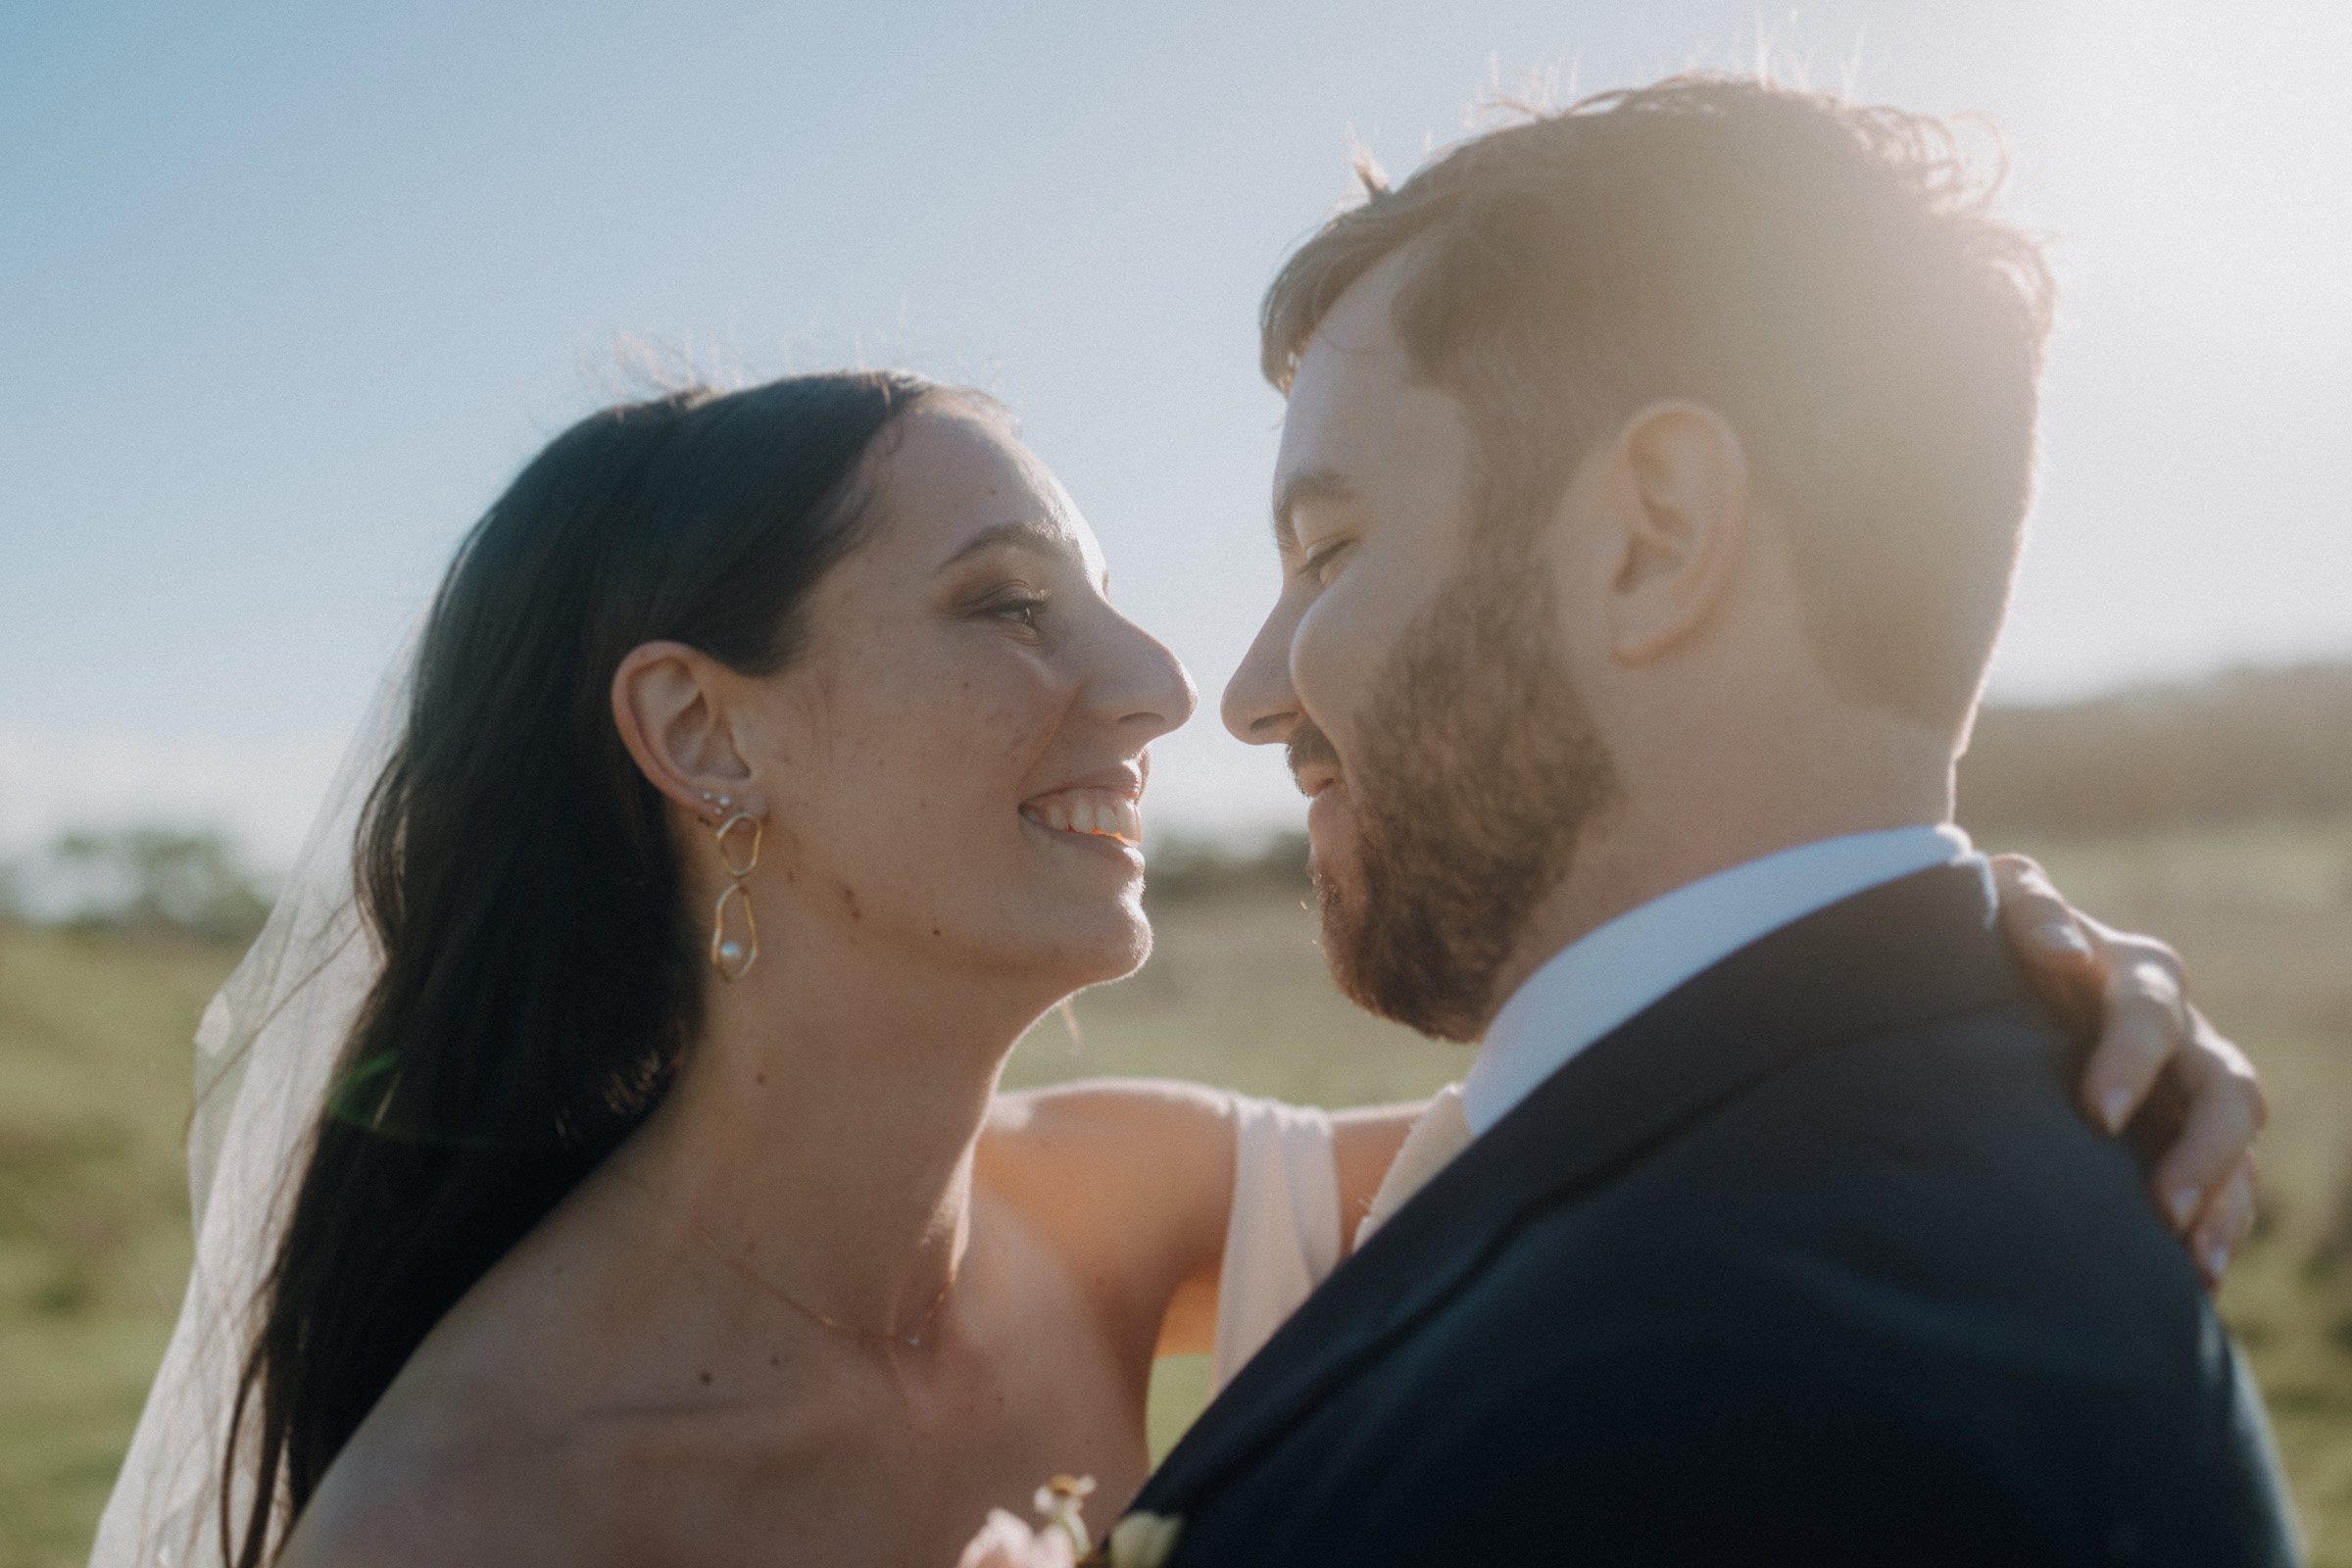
x=1615, y=971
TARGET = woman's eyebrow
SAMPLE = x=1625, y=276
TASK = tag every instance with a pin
x=1026, y=534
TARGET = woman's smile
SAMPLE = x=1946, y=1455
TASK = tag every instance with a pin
x=1124, y=849
x=1091, y=810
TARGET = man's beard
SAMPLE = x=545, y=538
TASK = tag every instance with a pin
x=1476, y=769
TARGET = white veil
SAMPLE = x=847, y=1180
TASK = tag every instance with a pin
x=265, y=1053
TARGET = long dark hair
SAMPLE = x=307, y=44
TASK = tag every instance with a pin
x=540, y=976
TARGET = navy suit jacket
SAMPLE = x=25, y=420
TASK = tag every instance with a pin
x=1813, y=1262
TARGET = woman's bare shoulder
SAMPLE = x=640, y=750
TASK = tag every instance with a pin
x=393, y=1504
x=1107, y=1128
x=620, y=1483
x=496, y=1442
x=1128, y=1179
x=1131, y=1174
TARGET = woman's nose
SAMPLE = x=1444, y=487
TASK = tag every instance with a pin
x=1151, y=691
x=1259, y=706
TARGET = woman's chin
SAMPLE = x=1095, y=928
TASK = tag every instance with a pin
x=1094, y=951
x=1069, y=911
x=1137, y=952
x=1122, y=950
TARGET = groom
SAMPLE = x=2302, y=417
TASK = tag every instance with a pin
x=1647, y=502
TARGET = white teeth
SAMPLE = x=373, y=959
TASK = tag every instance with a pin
x=1099, y=812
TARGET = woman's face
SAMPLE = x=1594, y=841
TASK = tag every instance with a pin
x=958, y=755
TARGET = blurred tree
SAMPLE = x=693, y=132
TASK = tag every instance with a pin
x=153, y=878
x=2272, y=742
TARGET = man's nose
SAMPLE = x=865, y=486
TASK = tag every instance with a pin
x=1259, y=706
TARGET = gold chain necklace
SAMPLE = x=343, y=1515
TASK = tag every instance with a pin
x=912, y=1341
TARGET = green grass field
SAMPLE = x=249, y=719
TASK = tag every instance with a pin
x=95, y=1059
x=94, y=1063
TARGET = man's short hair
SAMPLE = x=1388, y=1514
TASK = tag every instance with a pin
x=1832, y=279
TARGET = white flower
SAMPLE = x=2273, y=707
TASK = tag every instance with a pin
x=1062, y=1501
x=1006, y=1542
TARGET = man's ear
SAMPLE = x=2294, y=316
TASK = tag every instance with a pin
x=668, y=701
x=1681, y=488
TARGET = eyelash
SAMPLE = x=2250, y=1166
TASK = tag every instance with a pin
x=1313, y=566
x=1022, y=612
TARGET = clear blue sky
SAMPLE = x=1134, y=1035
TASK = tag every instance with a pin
x=288, y=292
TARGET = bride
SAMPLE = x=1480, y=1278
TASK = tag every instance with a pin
x=604, y=1163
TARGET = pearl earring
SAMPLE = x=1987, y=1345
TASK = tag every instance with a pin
x=733, y=959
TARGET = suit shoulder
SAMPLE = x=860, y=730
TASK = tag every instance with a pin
x=1921, y=1218
x=1963, y=1132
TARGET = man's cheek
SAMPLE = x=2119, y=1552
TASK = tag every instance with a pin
x=1334, y=657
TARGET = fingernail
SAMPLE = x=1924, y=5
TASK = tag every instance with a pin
x=2060, y=936
x=2185, y=1208
x=2113, y=1108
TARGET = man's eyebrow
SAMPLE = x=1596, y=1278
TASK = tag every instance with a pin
x=1307, y=484
x=1025, y=534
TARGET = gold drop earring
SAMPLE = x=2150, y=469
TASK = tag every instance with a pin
x=731, y=958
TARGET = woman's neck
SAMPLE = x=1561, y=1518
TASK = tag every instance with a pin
x=821, y=1134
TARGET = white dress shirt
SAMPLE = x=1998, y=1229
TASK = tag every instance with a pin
x=1611, y=973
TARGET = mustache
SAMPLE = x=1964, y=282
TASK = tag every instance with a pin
x=1307, y=747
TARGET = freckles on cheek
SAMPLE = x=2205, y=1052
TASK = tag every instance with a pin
x=1007, y=718
x=986, y=724
x=1006, y=728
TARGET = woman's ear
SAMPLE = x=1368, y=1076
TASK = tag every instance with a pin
x=669, y=703
x=1682, y=484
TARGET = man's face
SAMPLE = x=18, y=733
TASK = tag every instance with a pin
x=1371, y=510
x=1409, y=667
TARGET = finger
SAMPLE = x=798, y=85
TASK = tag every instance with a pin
x=2225, y=1112
x=2038, y=922
x=2145, y=1025
x=2225, y=1223
x=2050, y=942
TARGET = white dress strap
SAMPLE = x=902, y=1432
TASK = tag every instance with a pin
x=1282, y=1239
